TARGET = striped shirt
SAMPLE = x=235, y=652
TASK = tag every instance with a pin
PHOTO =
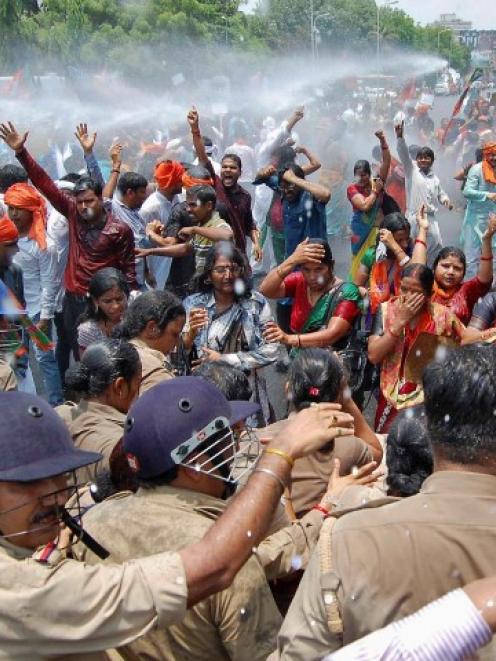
x=448, y=629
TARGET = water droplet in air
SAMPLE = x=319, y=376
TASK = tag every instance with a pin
x=447, y=417
x=248, y=534
x=328, y=599
x=441, y=353
x=180, y=580
x=239, y=287
x=296, y=562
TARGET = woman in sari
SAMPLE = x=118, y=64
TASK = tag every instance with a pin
x=449, y=271
x=367, y=199
x=226, y=319
x=408, y=330
x=381, y=265
x=324, y=307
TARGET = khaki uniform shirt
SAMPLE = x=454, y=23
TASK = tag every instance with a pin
x=74, y=609
x=239, y=623
x=391, y=561
x=154, y=368
x=310, y=475
x=7, y=377
x=96, y=428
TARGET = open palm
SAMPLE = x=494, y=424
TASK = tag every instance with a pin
x=10, y=135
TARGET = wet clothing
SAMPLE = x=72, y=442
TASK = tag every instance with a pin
x=485, y=310
x=154, y=365
x=462, y=302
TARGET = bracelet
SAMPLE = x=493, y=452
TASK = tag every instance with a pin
x=267, y=471
x=322, y=510
x=405, y=260
x=282, y=454
x=298, y=339
x=486, y=259
x=422, y=243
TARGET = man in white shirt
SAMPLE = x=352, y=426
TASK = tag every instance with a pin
x=423, y=188
x=42, y=279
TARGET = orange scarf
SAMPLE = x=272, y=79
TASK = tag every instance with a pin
x=379, y=287
x=442, y=293
x=168, y=174
x=8, y=231
x=24, y=196
x=189, y=181
x=487, y=169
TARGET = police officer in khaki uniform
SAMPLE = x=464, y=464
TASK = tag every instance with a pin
x=376, y=566
x=107, y=379
x=153, y=324
x=7, y=377
x=74, y=608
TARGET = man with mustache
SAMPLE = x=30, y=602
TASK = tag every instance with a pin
x=51, y=606
x=97, y=239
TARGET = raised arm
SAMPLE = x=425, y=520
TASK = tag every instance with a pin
x=419, y=254
x=194, y=124
x=313, y=162
x=40, y=179
x=319, y=192
x=402, y=148
x=115, y=154
x=366, y=203
x=87, y=143
x=485, y=273
x=386, y=156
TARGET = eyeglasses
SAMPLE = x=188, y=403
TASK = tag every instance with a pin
x=235, y=269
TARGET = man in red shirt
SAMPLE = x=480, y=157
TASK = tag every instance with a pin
x=97, y=239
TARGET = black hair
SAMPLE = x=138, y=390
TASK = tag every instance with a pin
x=460, y=402
x=203, y=284
x=132, y=181
x=232, y=157
x=207, y=141
x=395, y=222
x=362, y=165
x=159, y=306
x=450, y=251
x=87, y=183
x=284, y=155
x=315, y=375
x=102, y=363
x=101, y=282
x=294, y=167
x=202, y=192
x=425, y=151
x=71, y=177
x=199, y=172
x=11, y=174
x=408, y=453
x=328, y=258
x=422, y=273
x=231, y=381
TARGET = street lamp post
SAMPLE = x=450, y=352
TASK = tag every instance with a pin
x=316, y=19
x=388, y=3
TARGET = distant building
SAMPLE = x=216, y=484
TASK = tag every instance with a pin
x=452, y=22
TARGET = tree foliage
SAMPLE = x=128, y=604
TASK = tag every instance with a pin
x=138, y=36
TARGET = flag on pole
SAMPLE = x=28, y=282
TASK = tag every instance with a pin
x=477, y=75
x=11, y=307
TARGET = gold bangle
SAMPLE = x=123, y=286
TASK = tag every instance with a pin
x=282, y=454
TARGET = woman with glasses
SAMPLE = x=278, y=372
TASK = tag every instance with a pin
x=226, y=320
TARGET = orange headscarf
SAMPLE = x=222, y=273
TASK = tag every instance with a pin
x=8, y=231
x=25, y=196
x=189, y=181
x=487, y=169
x=168, y=174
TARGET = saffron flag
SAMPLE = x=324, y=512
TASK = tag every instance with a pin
x=477, y=75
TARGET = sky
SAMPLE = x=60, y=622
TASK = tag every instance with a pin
x=482, y=13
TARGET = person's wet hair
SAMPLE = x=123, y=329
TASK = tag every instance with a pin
x=102, y=363
x=395, y=222
x=131, y=181
x=425, y=152
x=362, y=166
x=231, y=381
x=87, y=183
x=162, y=307
x=315, y=375
x=103, y=280
x=10, y=175
x=460, y=403
x=408, y=452
x=203, y=283
x=203, y=193
x=232, y=157
x=422, y=273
